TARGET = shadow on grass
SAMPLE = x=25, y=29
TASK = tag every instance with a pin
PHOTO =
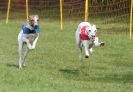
x=120, y=78
x=12, y=65
x=70, y=71
x=79, y=75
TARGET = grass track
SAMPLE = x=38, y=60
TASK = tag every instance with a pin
x=54, y=65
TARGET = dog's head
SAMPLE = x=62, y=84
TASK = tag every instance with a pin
x=34, y=20
x=91, y=31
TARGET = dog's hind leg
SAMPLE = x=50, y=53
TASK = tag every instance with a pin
x=25, y=55
x=20, y=54
x=81, y=52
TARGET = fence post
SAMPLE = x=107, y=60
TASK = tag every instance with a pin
x=61, y=15
x=8, y=11
x=86, y=10
x=27, y=10
x=131, y=11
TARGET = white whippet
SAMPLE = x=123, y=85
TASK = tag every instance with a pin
x=28, y=35
x=87, y=36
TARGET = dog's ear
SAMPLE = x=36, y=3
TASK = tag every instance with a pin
x=37, y=16
x=30, y=17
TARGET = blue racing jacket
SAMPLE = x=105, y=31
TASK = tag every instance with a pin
x=28, y=29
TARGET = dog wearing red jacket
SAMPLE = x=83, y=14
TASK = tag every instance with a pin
x=87, y=36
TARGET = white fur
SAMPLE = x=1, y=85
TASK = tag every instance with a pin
x=30, y=40
x=86, y=44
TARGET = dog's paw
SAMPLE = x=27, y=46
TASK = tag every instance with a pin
x=33, y=47
x=102, y=44
x=86, y=56
x=91, y=50
x=20, y=66
x=24, y=65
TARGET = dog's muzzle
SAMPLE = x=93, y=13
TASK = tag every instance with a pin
x=93, y=36
x=36, y=24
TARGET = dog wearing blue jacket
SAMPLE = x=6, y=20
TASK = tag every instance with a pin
x=28, y=35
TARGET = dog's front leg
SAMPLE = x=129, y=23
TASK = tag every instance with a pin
x=34, y=42
x=96, y=42
x=86, y=47
x=27, y=42
x=25, y=55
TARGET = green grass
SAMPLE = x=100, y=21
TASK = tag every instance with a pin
x=54, y=65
